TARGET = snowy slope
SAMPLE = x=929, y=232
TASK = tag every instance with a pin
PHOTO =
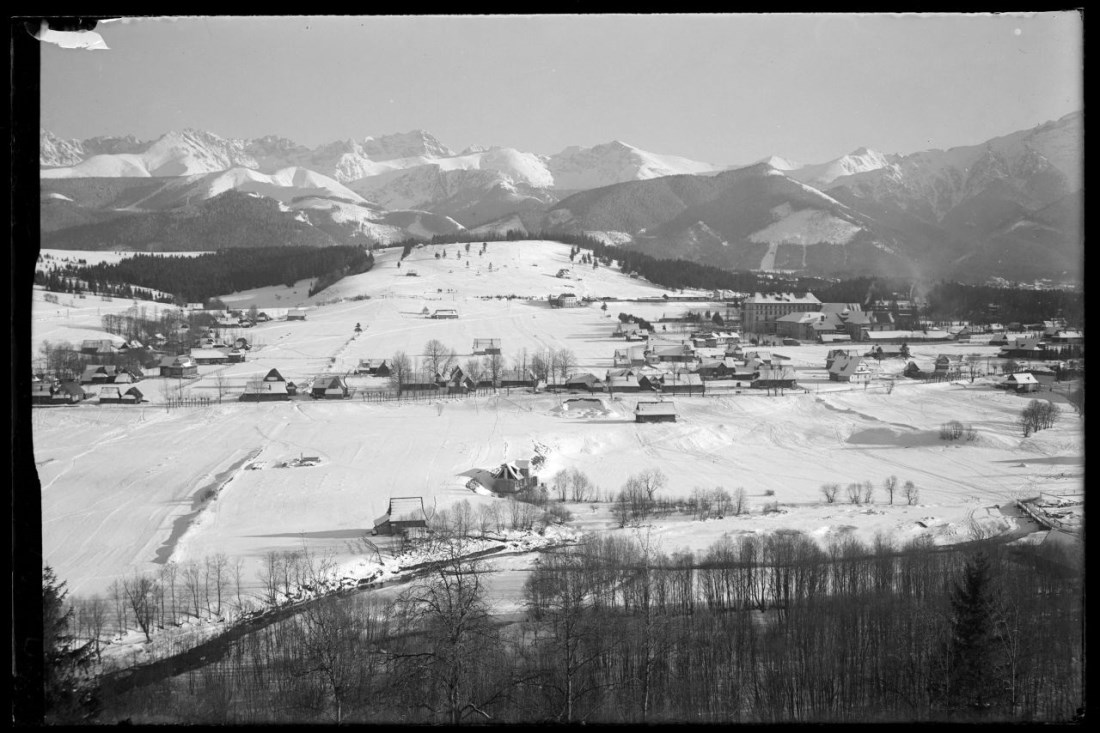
x=578, y=168
x=284, y=185
x=858, y=161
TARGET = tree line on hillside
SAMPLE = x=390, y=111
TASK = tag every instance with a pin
x=198, y=278
x=760, y=629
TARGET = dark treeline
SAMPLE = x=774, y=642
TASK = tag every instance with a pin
x=218, y=273
x=761, y=629
x=951, y=300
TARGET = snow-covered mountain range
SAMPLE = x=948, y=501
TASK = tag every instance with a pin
x=1008, y=206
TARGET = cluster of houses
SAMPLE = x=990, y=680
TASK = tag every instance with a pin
x=70, y=391
x=274, y=387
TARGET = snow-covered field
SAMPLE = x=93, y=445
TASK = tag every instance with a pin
x=123, y=488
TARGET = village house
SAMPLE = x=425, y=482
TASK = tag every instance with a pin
x=760, y=311
x=180, y=366
x=486, y=346
x=630, y=356
x=836, y=353
x=655, y=412
x=98, y=374
x=67, y=392
x=942, y=365
x=681, y=382
x=459, y=382
x=518, y=377
x=849, y=368
x=1021, y=382
x=565, y=300
x=98, y=346
x=513, y=476
x=404, y=516
x=774, y=378
x=1024, y=348
x=445, y=313
x=41, y=391
x=115, y=396
x=234, y=356
x=241, y=343
x=723, y=368
x=629, y=331
x=1067, y=337
x=273, y=387
x=622, y=380
x=373, y=367
x=670, y=354
x=296, y=314
x=586, y=381
x=329, y=387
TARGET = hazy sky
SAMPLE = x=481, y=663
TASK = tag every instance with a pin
x=718, y=88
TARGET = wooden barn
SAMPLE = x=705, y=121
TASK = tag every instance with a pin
x=486, y=346
x=404, y=516
x=209, y=356
x=296, y=314
x=181, y=366
x=655, y=412
x=115, y=396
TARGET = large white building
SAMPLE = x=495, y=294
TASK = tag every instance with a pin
x=760, y=311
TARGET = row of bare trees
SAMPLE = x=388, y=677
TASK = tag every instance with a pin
x=761, y=629
x=864, y=492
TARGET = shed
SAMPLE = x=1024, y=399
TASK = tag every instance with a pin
x=486, y=346
x=404, y=515
x=655, y=412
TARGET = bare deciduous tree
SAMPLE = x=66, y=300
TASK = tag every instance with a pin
x=890, y=485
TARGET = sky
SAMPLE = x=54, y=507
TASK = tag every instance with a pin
x=723, y=89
